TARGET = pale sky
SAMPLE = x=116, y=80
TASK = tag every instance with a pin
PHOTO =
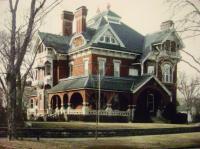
x=144, y=16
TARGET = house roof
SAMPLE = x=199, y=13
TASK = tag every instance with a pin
x=132, y=40
x=107, y=83
x=58, y=42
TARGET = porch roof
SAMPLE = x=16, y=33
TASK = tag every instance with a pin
x=127, y=84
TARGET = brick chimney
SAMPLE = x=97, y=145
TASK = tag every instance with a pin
x=80, y=15
x=67, y=23
x=167, y=25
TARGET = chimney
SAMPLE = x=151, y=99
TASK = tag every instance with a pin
x=67, y=23
x=80, y=16
x=167, y=25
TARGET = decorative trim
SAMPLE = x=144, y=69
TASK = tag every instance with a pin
x=117, y=61
x=166, y=90
x=114, y=34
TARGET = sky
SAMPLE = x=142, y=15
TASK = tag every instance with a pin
x=145, y=16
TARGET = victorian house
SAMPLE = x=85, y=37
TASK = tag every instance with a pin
x=105, y=60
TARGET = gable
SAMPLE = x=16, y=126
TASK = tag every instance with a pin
x=108, y=36
x=77, y=41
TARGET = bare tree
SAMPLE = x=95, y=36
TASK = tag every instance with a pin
x=189, y=90
x=14, y=45
x=186, y=14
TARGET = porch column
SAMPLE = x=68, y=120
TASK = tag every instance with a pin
x=62, y=108
x=85, y=109
x=68, y=107
x=57, y=110
x=131, y=110
x=109, y=109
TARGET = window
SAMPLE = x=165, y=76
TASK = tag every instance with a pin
x=117, y=68
x=47, y=68
x=173, y=46
x=133, y=72
x=112, y=40
x=31, y=103
x=108, y=37
x=85, y=63
x=101, y=66
x=167, y=73
x=150, y=102
x=167, y=43
x=150, y=70
x=70, y=69
x=102, y=38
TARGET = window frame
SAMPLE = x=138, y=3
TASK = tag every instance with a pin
x=86, y=71
x=134, y=70
x=150, y=102
x=103, y=61
x=167, y=73
x=116, y=68
x=151, y=67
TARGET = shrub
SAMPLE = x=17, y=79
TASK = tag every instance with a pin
x=169, y=111
x=197, y=118
x=180, y=118
x=142, y=116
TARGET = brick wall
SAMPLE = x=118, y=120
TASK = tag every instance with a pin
x=60, y=70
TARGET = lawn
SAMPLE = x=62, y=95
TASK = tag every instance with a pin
x=156, y=141
x=87, y=125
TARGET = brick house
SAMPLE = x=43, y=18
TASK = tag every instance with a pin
x=132, y=71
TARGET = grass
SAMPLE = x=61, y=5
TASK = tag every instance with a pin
x=155, y=141
x=87, y=125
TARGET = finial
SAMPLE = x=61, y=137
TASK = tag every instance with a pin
x=98, y=10
x=108, y=6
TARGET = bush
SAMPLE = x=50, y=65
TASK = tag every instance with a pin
x=142, y=116
x=169, y=112
x=197, y=118
x=56, y=118
x=180, y=118
x=39, y=118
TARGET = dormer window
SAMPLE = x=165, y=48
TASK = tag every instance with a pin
x=108, y=37
x=47, y=68
x=169, y=46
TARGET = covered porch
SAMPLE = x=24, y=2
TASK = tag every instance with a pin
x=123, y=97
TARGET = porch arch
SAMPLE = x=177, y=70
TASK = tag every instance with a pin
x=120, y=102
x=76, y=101
x=55, y=102
x=65, y=101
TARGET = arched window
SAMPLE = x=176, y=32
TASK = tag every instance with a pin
x=47, y=68
x=32, y=103
x=167, y=73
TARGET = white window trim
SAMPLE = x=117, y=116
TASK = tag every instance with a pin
x=149, y=102
x=84, y=60
x=115, y=61
x=148, y=68
x=135, y=71
x=71, y=64
x=114, y=34
x=104, y=61
x=171, y=75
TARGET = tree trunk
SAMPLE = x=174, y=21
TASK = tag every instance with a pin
x=19, y=97
x=11, y=85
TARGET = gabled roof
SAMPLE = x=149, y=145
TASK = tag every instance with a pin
x=59, y=43
x=159, y=37
x=132, y=40
x=120, y=84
